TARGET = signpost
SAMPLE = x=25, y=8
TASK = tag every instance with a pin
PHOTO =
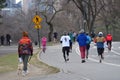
x=37, y=20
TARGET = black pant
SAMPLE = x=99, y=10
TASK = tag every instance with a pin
x=109, y=42
x=65, y=51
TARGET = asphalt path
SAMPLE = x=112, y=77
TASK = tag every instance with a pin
x=7, y=50
x=109, y=69
x=4, y=50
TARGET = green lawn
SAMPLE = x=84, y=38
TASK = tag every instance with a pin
x=8, y=62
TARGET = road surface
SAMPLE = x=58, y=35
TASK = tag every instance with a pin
x=109, y=69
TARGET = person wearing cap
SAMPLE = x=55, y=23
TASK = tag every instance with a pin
x=25, y=50
x=65, y=40
x=81, y=39
x=99, y=40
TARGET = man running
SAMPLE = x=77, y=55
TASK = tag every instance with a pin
x=81, y=39
x=99, y=40
x=65, y=40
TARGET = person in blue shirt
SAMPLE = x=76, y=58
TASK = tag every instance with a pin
x=88, y=44
x=81, y=39
x=99, y=40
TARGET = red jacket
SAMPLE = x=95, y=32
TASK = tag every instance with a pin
x=25, y=40
x=109, y=37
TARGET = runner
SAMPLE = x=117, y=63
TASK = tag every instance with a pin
x=65, y=40
x=88, y=44
x=71, y=38
x=109, y=41
x=81, y=39
x=99, y=40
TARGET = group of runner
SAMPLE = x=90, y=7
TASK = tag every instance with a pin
x=84, y=41
x=25, y=48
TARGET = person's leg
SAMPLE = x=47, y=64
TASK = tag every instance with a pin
x=100, y=54
x=67, y=49
x=87, y=50
x=82, y=50
x=25, y=62
x=63, y=50
x=70, y=46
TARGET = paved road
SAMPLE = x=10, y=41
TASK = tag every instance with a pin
x=75, y=70
x=10, y=49
x=7, y=50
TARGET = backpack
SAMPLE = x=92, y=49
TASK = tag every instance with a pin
x=24, y=49
x=100, y=39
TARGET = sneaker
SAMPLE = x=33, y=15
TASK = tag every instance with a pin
x=68, y=59
x=86, y=57
x=24, y=73
x=100, y=61
x=83, y=61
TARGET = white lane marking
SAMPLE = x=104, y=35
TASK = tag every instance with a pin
x=77, y=51
x=117, y=65
x=115, y=52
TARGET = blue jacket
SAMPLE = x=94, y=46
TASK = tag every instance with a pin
x=100, y=41
x=81, y=39
x=88, y=39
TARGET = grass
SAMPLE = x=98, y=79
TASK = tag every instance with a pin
x=9, y=63
x=45, y=67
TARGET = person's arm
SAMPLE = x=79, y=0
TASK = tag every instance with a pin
x=61, y=40
x=95, y=40
x=19, y=55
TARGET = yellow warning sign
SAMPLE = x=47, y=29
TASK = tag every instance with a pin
x=38, y=26
x=37, y=19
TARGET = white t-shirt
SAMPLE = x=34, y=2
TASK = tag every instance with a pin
x=65, y=41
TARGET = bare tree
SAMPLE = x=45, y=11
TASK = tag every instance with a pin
x=49, y=12
x=89, y=9
x=110, y=16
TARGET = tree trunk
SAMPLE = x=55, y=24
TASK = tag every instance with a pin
x=50, y=32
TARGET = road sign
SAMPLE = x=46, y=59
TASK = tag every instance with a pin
x=37, y=26
x=37, y=19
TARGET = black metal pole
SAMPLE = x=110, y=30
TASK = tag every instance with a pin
x=38, y=37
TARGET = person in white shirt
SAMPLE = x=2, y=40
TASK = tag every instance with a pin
x=65, y=40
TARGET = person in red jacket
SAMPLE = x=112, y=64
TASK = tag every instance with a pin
x=109, y=41
x=25, y=50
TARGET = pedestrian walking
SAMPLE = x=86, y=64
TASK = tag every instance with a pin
x=44, y=42
x=81, y=39
x=25, y=50
x=65, y=40
x=55, y=34
x=99, y=40
x=2, y=39
x=8, y=38
x=88, y=44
